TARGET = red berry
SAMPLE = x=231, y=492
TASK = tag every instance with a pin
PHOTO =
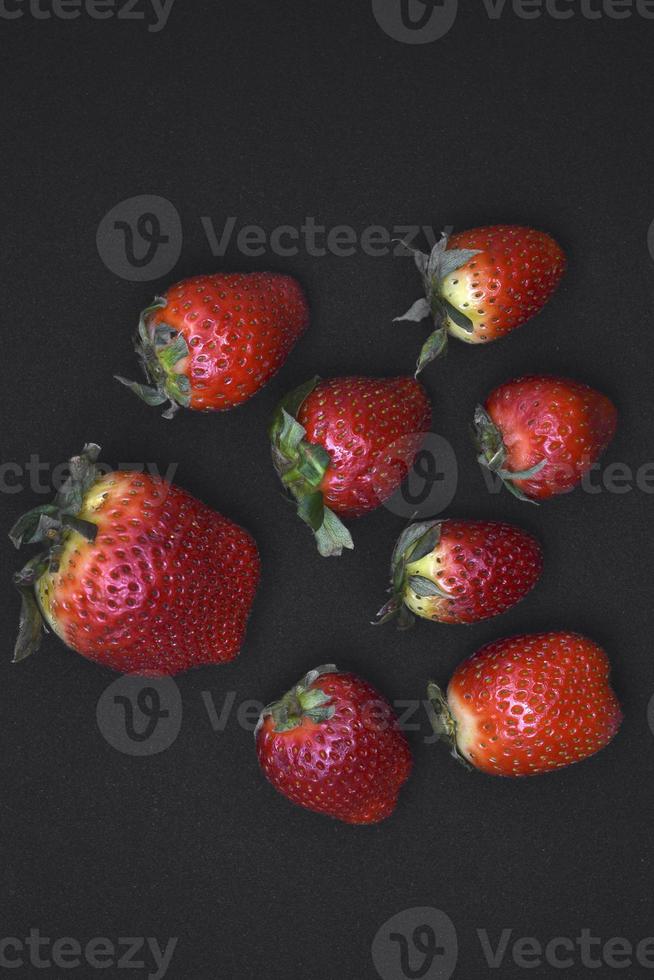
x=213, y=341
x=542, y=434
x=141, y=577
x=529, y=704
x=343, y=446
x=334, y=746
x=457, y=571
x=483, y=283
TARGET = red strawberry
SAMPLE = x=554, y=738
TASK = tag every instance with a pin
x=541, y=434
x=343, y=446
x=139, y=575
x=481, y=284
x=332, y=744
x=460, y=571
x=529, y=704
x=211, y=342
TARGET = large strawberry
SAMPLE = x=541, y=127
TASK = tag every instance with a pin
x=529, y=704
x=482, y=283
x=137, y=574
x=211, y=342
x=541, y=434
x=332, y=744
x=458, y=571
x=343, y=446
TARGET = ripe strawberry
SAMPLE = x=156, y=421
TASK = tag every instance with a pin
x=481, y=284
x=541, y=434
x=332, y=744
x=529, y=704
x=460, y=571
x=211, y=342
x=343, y=446
x=138, y=574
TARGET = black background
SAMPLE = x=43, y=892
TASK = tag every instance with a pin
x=271, y=112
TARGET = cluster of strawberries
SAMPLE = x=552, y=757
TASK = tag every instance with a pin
x=138, y=575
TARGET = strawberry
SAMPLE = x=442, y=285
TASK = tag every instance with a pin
x=481, y=284
x=343, y=446
x=457, y=571
x=529, y=704
x=138, y=575
x=211, y=342
x=332, y=744
x=541, y=434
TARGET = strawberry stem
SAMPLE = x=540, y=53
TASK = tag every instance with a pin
x=50, y=524
x=417, y=541
x=159, y=349
x=301, y=466
x=442, y=721
x=433, y=269
x=492, y=454
x=302, y=702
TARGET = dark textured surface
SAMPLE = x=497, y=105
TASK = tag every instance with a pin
x=271, y=113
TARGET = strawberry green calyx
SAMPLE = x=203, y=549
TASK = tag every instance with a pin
x=492, y=453
x=301, y=466
x=433, y=269
x=302, y=702
x=443, y=722
x=417, y=541
x=160, y=347
x=50, y=525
